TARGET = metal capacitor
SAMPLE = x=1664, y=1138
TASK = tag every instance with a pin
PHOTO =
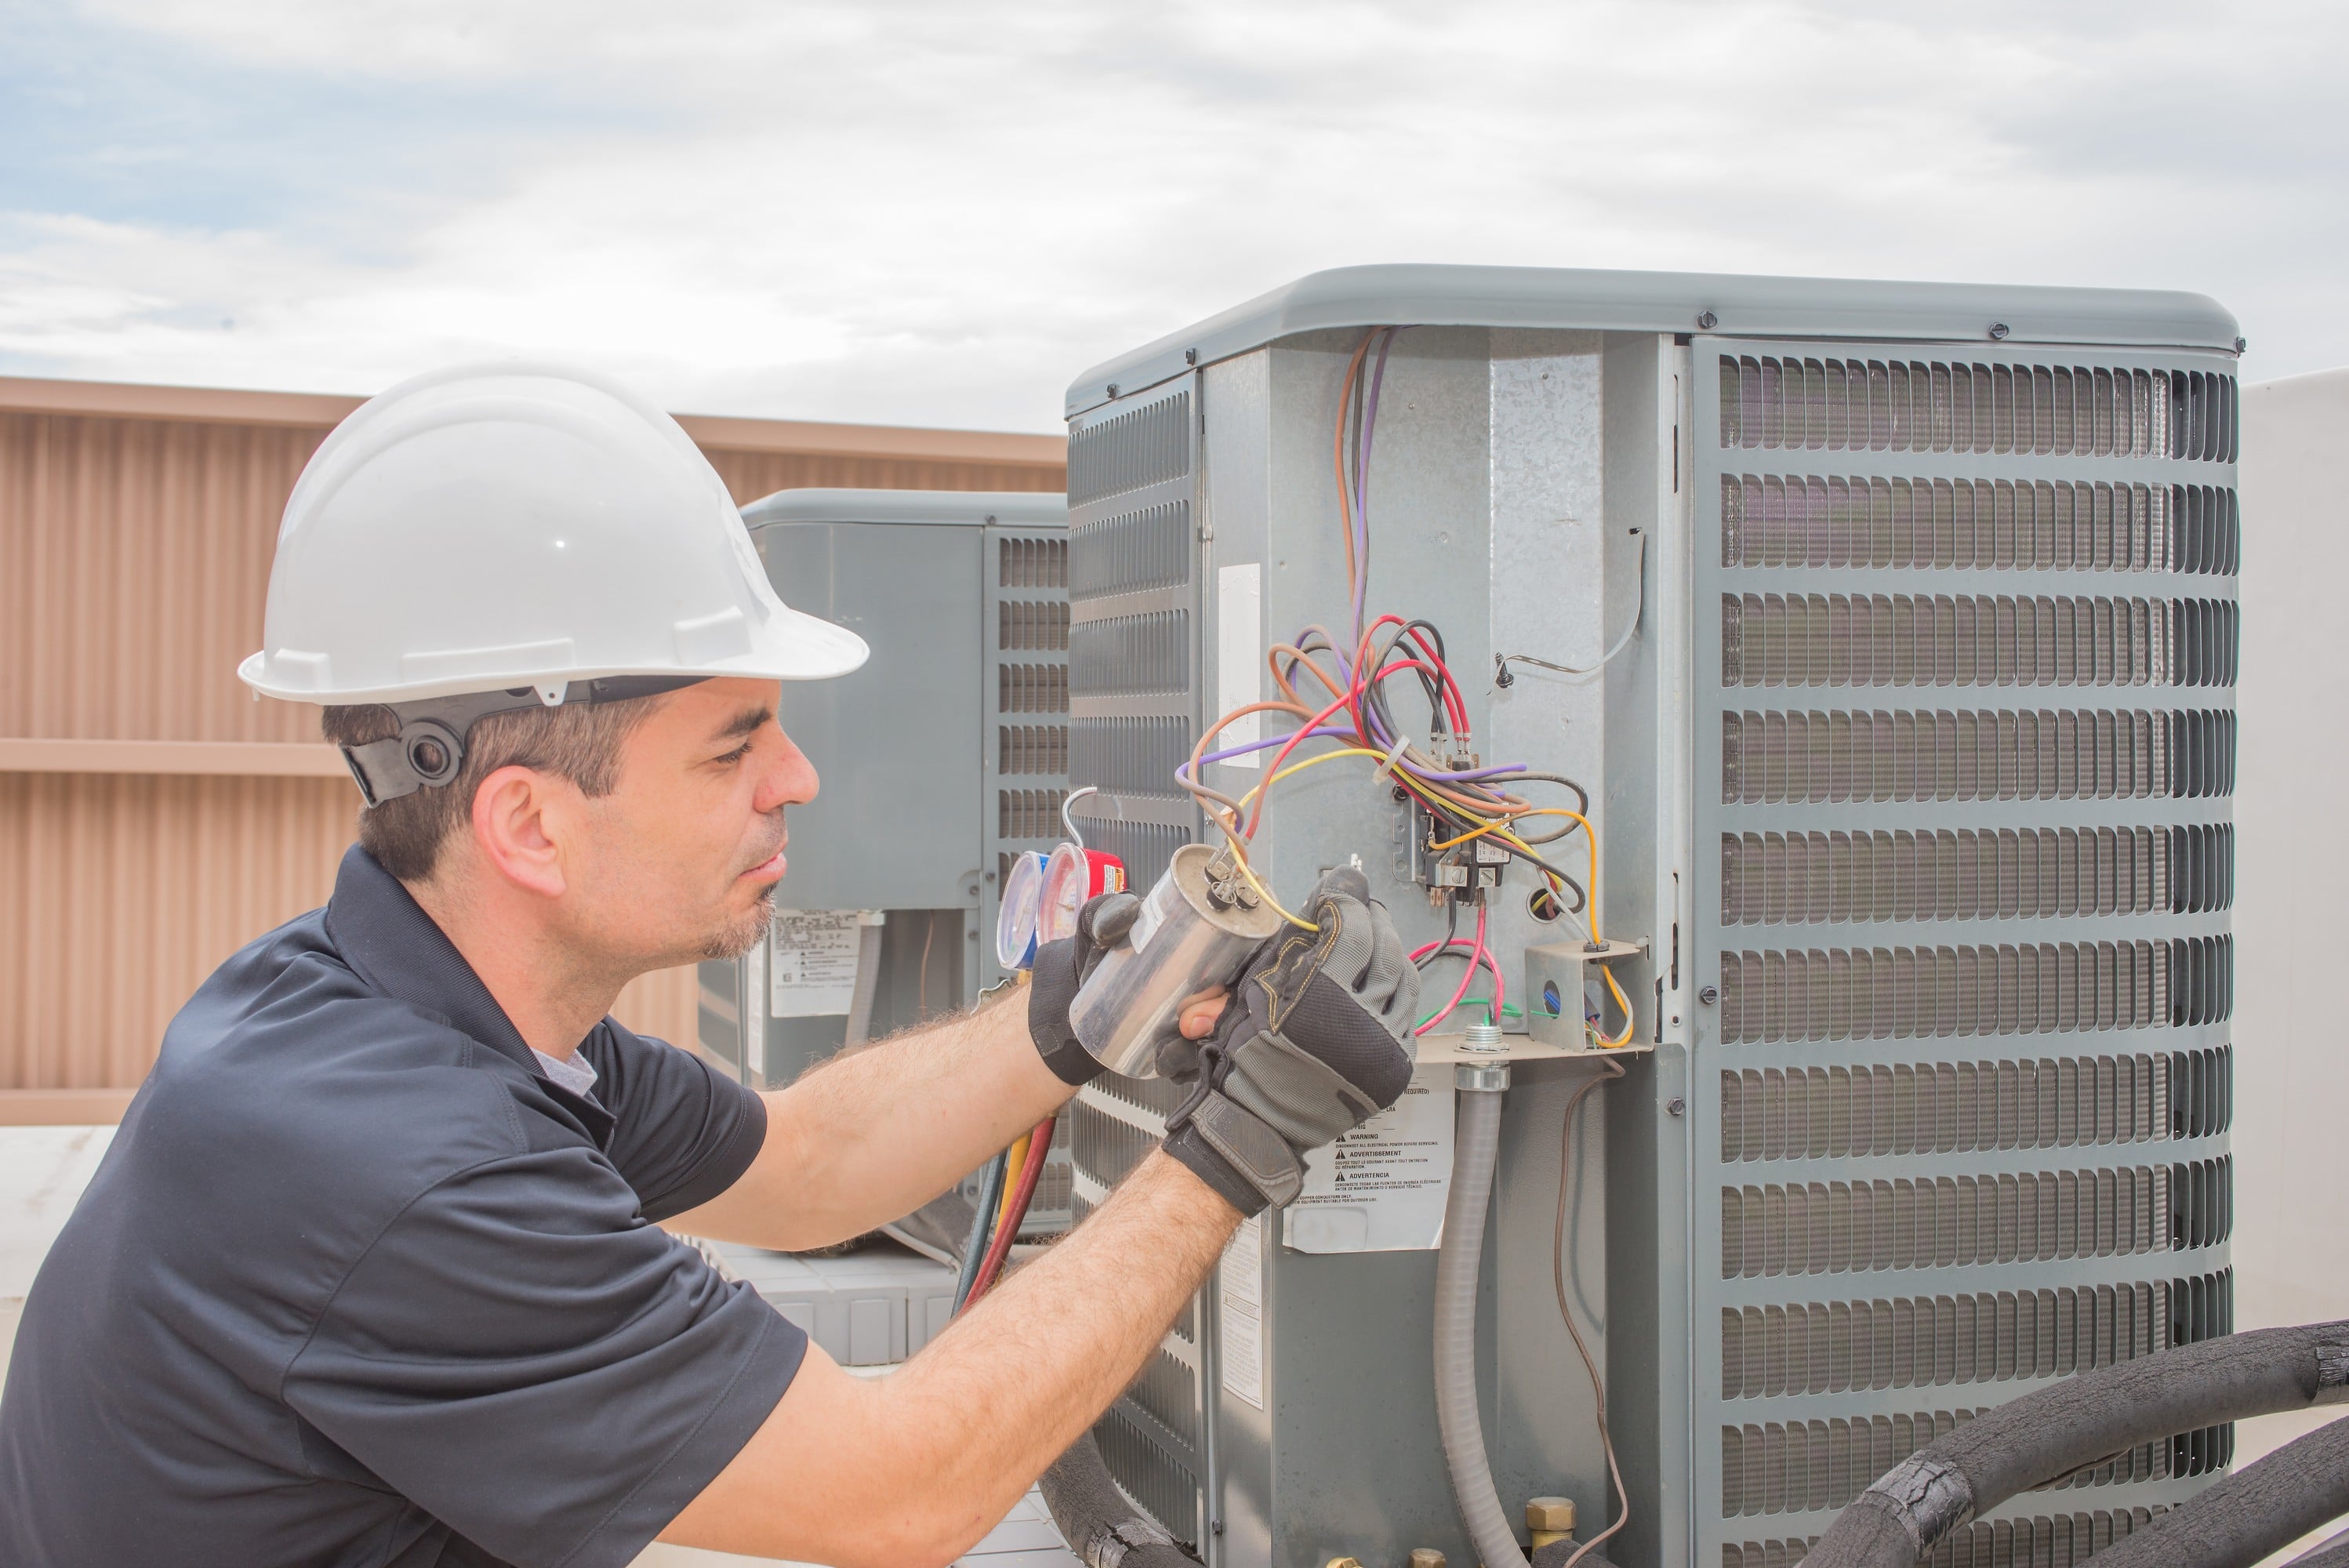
x=1197, y=931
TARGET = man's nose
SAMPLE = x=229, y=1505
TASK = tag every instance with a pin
x=790, y=780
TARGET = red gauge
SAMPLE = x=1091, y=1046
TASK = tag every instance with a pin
x=1071, y=876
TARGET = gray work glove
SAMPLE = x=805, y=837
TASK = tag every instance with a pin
x=1312, y=1046
x=1060, y=970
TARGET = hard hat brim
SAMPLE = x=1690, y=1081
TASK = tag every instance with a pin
x=792, y=646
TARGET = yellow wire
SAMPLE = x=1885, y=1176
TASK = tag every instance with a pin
x=1314, y=761
x=1012, y=1164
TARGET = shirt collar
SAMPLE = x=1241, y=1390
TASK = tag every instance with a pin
x=386, y=936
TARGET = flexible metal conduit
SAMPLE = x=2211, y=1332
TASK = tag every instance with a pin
x=1476, y=1146
x=2091, y=1416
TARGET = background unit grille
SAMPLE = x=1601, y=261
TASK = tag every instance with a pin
x=1877, y=1109
x=1131, y=755
x=1145, y=847
x=2061, y=1540
x=1031, y=749
x=2095, y=816
x=2007, y=873
x=1028, y=813
x=1974, y=640
x=1131, y=655
x=1032, y=562
x=1827, y=1347
x=2090, y=754
x=1914, y=406
x=1032, y=688
x=1029, y=623
x=1798, y=520
x=1150, y=548
x=1904, y=1222
x=1144, y=446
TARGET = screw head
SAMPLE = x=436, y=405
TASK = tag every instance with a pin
x=1709, y=995
x=2242, y=344
x=1675, y=1106
x=1113, y=389
x=1190, y=356
x=1706, y=320
x=1999, y=329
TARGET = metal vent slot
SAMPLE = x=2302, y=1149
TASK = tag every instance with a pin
x=1903, y=640
x=1032, y=688
x=2203, y=417
x=2205, y=531
x=1028, y=813
x=1132, y=552
x=2062, y=525
x=1833, y=1347
x=2202, y=867
x=2201, y=1202
x=1950, y=1106
x=1026, y=625
x=1032, y=562
x=1131, y=655
x=2060, y=1540
x=1129, y=755
x=1795, y=879
x=1945, y=1107
x=1145, y=847
x=1864, y=1227
x=2201, y=979
x=1803, y=1467
x=1917, y=406
x=1157, y=1097
x=1142, y=447
x=2202, y=1092
x=2041, y=755
x=1105, y=1148
x=1165, y=1389
x=1148, y=1474
x=1031, y=749
x=1905, y=993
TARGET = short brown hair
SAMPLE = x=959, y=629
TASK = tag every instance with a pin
x=578, y=741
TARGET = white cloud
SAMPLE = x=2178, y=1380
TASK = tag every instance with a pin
x=941, y=213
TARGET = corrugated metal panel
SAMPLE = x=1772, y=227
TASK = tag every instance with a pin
x=134, y=561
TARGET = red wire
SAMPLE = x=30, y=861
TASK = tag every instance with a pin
x=1500, y=985
x=1039, y=1146
x=1474, y=958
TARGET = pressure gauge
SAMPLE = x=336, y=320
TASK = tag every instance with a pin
x=1015, y=922
x=1073, y=875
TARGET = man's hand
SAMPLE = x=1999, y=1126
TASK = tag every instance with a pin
x=1314, y=1048
x=1061, y=971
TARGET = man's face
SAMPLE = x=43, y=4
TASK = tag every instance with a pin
x=682, y=857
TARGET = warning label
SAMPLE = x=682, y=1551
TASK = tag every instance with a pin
x=1241, y=1294
x=813, y=971
x=1381, y=1187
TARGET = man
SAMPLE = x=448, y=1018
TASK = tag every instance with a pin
x=374, y=1273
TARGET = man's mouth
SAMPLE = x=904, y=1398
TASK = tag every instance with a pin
x=769, y=870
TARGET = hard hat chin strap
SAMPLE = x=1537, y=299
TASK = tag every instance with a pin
x=429, y=748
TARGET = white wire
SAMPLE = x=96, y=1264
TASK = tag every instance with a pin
x=1070, y=822
x=1501, y=662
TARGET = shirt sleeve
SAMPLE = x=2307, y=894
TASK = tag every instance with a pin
x=684, y=1132
x=523, y=1358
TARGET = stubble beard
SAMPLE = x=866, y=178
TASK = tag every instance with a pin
x=743, y=933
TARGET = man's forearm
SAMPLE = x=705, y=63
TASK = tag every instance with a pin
x=876, y=1132
x=915, y=1467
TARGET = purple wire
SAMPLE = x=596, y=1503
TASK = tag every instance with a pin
x=1470, y=775
x=1363, y=483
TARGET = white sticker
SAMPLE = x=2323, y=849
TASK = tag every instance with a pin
x=1241, y=1288
x=1239, y=656
x=1152, y=914
x=812, y=969
x=1381, y=1187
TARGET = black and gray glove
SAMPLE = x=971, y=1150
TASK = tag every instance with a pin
x=1312, y=1046
x=1060, y=970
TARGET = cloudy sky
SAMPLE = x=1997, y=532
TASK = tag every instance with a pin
x=938, y=213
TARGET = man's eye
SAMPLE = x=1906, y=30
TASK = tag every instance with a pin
x=737, y=755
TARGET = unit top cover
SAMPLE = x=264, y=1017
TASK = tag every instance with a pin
x=1737, y=304
x=1011, y=508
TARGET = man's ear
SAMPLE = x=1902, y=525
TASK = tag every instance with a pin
x=518, y=831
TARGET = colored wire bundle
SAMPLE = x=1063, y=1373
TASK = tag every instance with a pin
x=1010, y=1189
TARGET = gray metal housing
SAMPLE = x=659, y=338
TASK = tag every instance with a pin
x=940, y=759
x=1956, y=1128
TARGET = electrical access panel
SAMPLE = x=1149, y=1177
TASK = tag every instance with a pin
x=941, y=758
x=1887, y=630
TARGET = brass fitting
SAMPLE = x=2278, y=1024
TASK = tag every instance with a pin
x=1343, y=1562
x=1549, y=1519
x=1426, y=1557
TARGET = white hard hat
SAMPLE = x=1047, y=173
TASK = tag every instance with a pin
x=493, y=527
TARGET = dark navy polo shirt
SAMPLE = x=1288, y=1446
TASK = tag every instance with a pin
x=355, y=1284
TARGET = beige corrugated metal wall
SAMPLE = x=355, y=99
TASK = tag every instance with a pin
x=153, y=817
